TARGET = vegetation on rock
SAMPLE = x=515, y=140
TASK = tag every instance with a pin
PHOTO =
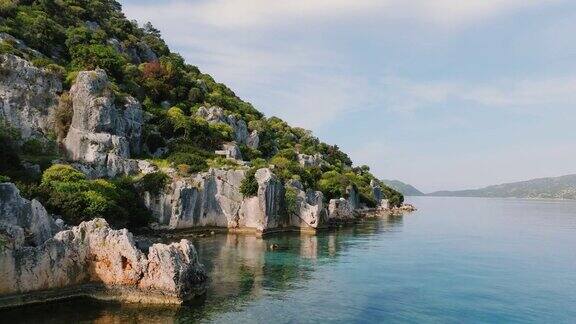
x=69, y=36
x=66, y=192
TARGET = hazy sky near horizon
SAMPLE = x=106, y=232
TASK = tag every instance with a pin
x=443, y=94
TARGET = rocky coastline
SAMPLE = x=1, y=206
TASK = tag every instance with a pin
x=42, y=259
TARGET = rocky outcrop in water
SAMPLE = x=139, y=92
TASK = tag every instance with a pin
x=102, y=136
x=212, y=198
x=340, y=210
x=90, y=259
x=353, y=197
x=310, y=210
x=264, y=211
x=28, y=96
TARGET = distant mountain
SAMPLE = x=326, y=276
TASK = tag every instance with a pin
x=563, y=187
x=404, y=188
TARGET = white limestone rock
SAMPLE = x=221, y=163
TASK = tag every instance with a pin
x=377, y=193
x=264, y=211
x=310, y=209
x=353, y=197
x=91, y=252
x=29, y=215
x=340, y=210
x=102, y=136
x=230, y=151
x=306, y=160
x=28, y=96
x=211, y=198
x=139, y=53
x=216, y=115
x=253, y=140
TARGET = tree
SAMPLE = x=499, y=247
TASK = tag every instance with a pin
x=90, y=57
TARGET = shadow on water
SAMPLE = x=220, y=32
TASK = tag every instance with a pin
x=241, y=268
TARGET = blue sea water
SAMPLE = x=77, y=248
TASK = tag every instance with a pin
x=455, y=260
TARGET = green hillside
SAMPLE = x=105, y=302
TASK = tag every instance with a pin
x=404, y=188
x=68, y=36
x=563, y=187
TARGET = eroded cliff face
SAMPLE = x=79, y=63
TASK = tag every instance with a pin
x=27, y=220
x=213, y=199
x=340, y=210
x=310, y=210
x=106, y=132
x=102, y=135
x=33, y=260
x=377, y=193
x=28, y=96
x=264, y=211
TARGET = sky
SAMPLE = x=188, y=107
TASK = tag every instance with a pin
x=444, y=94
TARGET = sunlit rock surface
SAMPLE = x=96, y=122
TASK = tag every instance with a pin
x=102, y=136
x=90, y=259
x=310, y=210
x=28, y=96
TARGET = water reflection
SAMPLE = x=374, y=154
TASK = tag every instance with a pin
x=241, y=268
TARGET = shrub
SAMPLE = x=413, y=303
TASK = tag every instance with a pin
x=63, y=115
x=4, y=178
x=38, y=30
x=291, y=199
x=249, y=185
x=197, y=163
x=258, y=163
x=222, y=163
x=90, y=57
x=153, y=182
x=61, y=173
x=34, y=146
x=65, y=191
x=249, y=153
x=7, y=7
x=333, y=184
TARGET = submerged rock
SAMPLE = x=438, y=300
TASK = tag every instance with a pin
x=91, y=258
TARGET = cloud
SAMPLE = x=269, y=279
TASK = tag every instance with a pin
x=317, y=100
x=261, y=13
x=405, y=95
x=308, y=84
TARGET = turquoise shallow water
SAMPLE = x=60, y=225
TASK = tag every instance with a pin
x=456, y=260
